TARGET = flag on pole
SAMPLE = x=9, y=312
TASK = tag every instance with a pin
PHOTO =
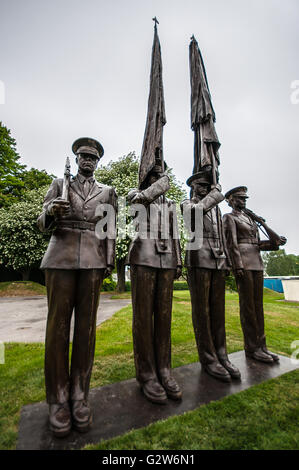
x=152, y=149
x=206, y=143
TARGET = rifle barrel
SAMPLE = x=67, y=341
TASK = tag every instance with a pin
x=66, y=179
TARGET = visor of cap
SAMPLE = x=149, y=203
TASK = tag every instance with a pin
x=89, y=150
x=239, y=191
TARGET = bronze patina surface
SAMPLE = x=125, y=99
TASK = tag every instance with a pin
x=244, y=246
x=208, y=263
x=155, y=261
x=75, y=265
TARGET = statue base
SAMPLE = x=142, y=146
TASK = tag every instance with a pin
x=121, y=407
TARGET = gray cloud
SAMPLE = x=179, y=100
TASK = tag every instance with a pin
x=74, y=68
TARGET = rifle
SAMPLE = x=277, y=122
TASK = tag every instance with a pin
x=218, y=252
x=267, y=231
x=66, y=180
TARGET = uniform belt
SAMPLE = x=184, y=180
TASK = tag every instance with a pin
x=79, y=224
x=251, y=241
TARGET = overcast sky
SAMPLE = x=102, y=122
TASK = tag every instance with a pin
x=74, y=68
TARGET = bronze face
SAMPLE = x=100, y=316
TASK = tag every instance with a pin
x=200, y=189
x=238, y=202
x=87, y=163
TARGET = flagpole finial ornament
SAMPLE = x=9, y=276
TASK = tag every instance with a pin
x=156, y=22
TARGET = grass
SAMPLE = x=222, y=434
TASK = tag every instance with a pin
x=262, y=417
x=120, y=295
x=21, y=288
x=30, y=288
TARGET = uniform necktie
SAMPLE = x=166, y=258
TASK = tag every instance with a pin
x=86, y=186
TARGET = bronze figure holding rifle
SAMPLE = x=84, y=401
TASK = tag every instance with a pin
x=75, y=264
x=244, y=247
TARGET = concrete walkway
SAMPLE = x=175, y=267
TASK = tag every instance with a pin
x=23, y=319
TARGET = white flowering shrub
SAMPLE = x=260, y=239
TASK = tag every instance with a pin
x=22, y=245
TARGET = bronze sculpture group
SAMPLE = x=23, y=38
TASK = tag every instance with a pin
x=77, y=261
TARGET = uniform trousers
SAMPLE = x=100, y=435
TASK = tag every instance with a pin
x=250, y=288
x=207, y=289
x=152, y=291
x=69, y=290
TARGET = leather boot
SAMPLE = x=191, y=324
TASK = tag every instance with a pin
x=154, y=391
x=215, y=369
x=259, y=355
x=82, y=417
x=171, y=388
x=60, y=419
x=231, y=369
x=270, y=353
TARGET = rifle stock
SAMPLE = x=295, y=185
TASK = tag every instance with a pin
x=273, y=236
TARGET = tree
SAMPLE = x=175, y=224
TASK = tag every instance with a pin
x=35, y=179
x=278, y=263
x=16, y=179
x=10, y=168
x=22, y=245
x=122, y=174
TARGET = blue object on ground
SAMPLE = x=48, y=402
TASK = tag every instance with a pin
x=274, y=284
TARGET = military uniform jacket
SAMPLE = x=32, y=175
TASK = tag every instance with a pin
x=73, y=244
x=205, y=256
x=243, y=242
x=156, y=252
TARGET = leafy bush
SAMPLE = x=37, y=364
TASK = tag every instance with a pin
x=230, y=282
x=108, y=284
x=22, y=245
x=180, y=285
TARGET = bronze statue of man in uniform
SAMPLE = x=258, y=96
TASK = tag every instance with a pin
x=244, y=246
x=154, y=264
x=207, y=266
x=75, y=264
x=154, y=255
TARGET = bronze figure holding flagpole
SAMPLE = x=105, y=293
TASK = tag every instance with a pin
x=154, y=261
x=207, y=264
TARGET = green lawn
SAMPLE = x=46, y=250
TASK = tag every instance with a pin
x=21, y=288
x=263, y=417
